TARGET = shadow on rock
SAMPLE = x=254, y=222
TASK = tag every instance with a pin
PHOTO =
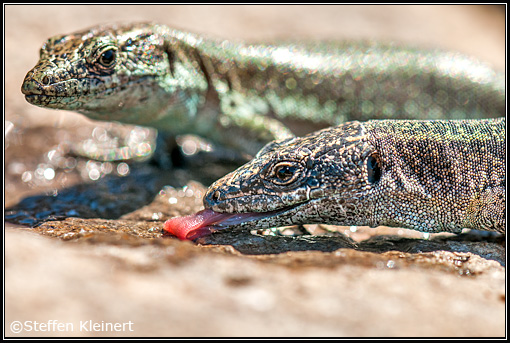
x=491, y=247
x=108, y=198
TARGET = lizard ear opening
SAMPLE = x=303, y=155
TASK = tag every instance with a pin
x=373, y=169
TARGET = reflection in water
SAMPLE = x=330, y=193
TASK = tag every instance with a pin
x=92, y=171
x=47, y=157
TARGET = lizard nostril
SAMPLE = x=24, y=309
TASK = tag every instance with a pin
x=211, y=199
x=216, y=196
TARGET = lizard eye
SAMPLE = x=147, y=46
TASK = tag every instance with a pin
x=285, y=173
x=108, y=57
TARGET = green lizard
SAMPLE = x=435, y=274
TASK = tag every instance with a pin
x=430, y=176
x=242, y=95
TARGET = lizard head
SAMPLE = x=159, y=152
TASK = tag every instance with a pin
x=312, y=179
x=112, y=72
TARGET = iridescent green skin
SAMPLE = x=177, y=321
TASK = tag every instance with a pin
x=243, y=95
x=431, y=176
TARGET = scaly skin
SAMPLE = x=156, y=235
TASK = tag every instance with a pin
x=429, y=176
x=243, y=95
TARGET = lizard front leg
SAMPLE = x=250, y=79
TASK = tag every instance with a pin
x=245, y=124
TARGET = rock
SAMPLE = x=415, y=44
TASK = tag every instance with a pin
x=167, y=287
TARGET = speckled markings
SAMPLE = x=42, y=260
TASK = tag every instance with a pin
x=245, y=95
x=429, y=176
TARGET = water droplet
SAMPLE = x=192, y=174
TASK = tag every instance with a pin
x=26, y=176
x=100, y=134
x=49, y=173
x=106, y=167
x=94, y=174
x=143, y=149
x=189, y=147
x=189, y=192
x=290, y=83
x=123, y=169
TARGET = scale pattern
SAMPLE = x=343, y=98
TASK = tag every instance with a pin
x=245, y=95
x=429, y=176
x=438, y=174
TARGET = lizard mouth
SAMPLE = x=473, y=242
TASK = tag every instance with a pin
x=207, y=221
x=56, y=101
x=36, y=93
x=54, y=96
x=36, y=99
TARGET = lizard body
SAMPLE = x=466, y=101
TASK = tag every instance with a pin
x=429, y=176
x=245, y=95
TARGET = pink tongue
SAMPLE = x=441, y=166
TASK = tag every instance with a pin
x=196, y=225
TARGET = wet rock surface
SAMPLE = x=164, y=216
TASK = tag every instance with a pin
x=84, y=241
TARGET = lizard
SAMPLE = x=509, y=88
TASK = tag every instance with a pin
x=245, y=95
x=426, y=175
x=242, y=95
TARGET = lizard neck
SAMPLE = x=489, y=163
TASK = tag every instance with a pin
x=438, y=175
